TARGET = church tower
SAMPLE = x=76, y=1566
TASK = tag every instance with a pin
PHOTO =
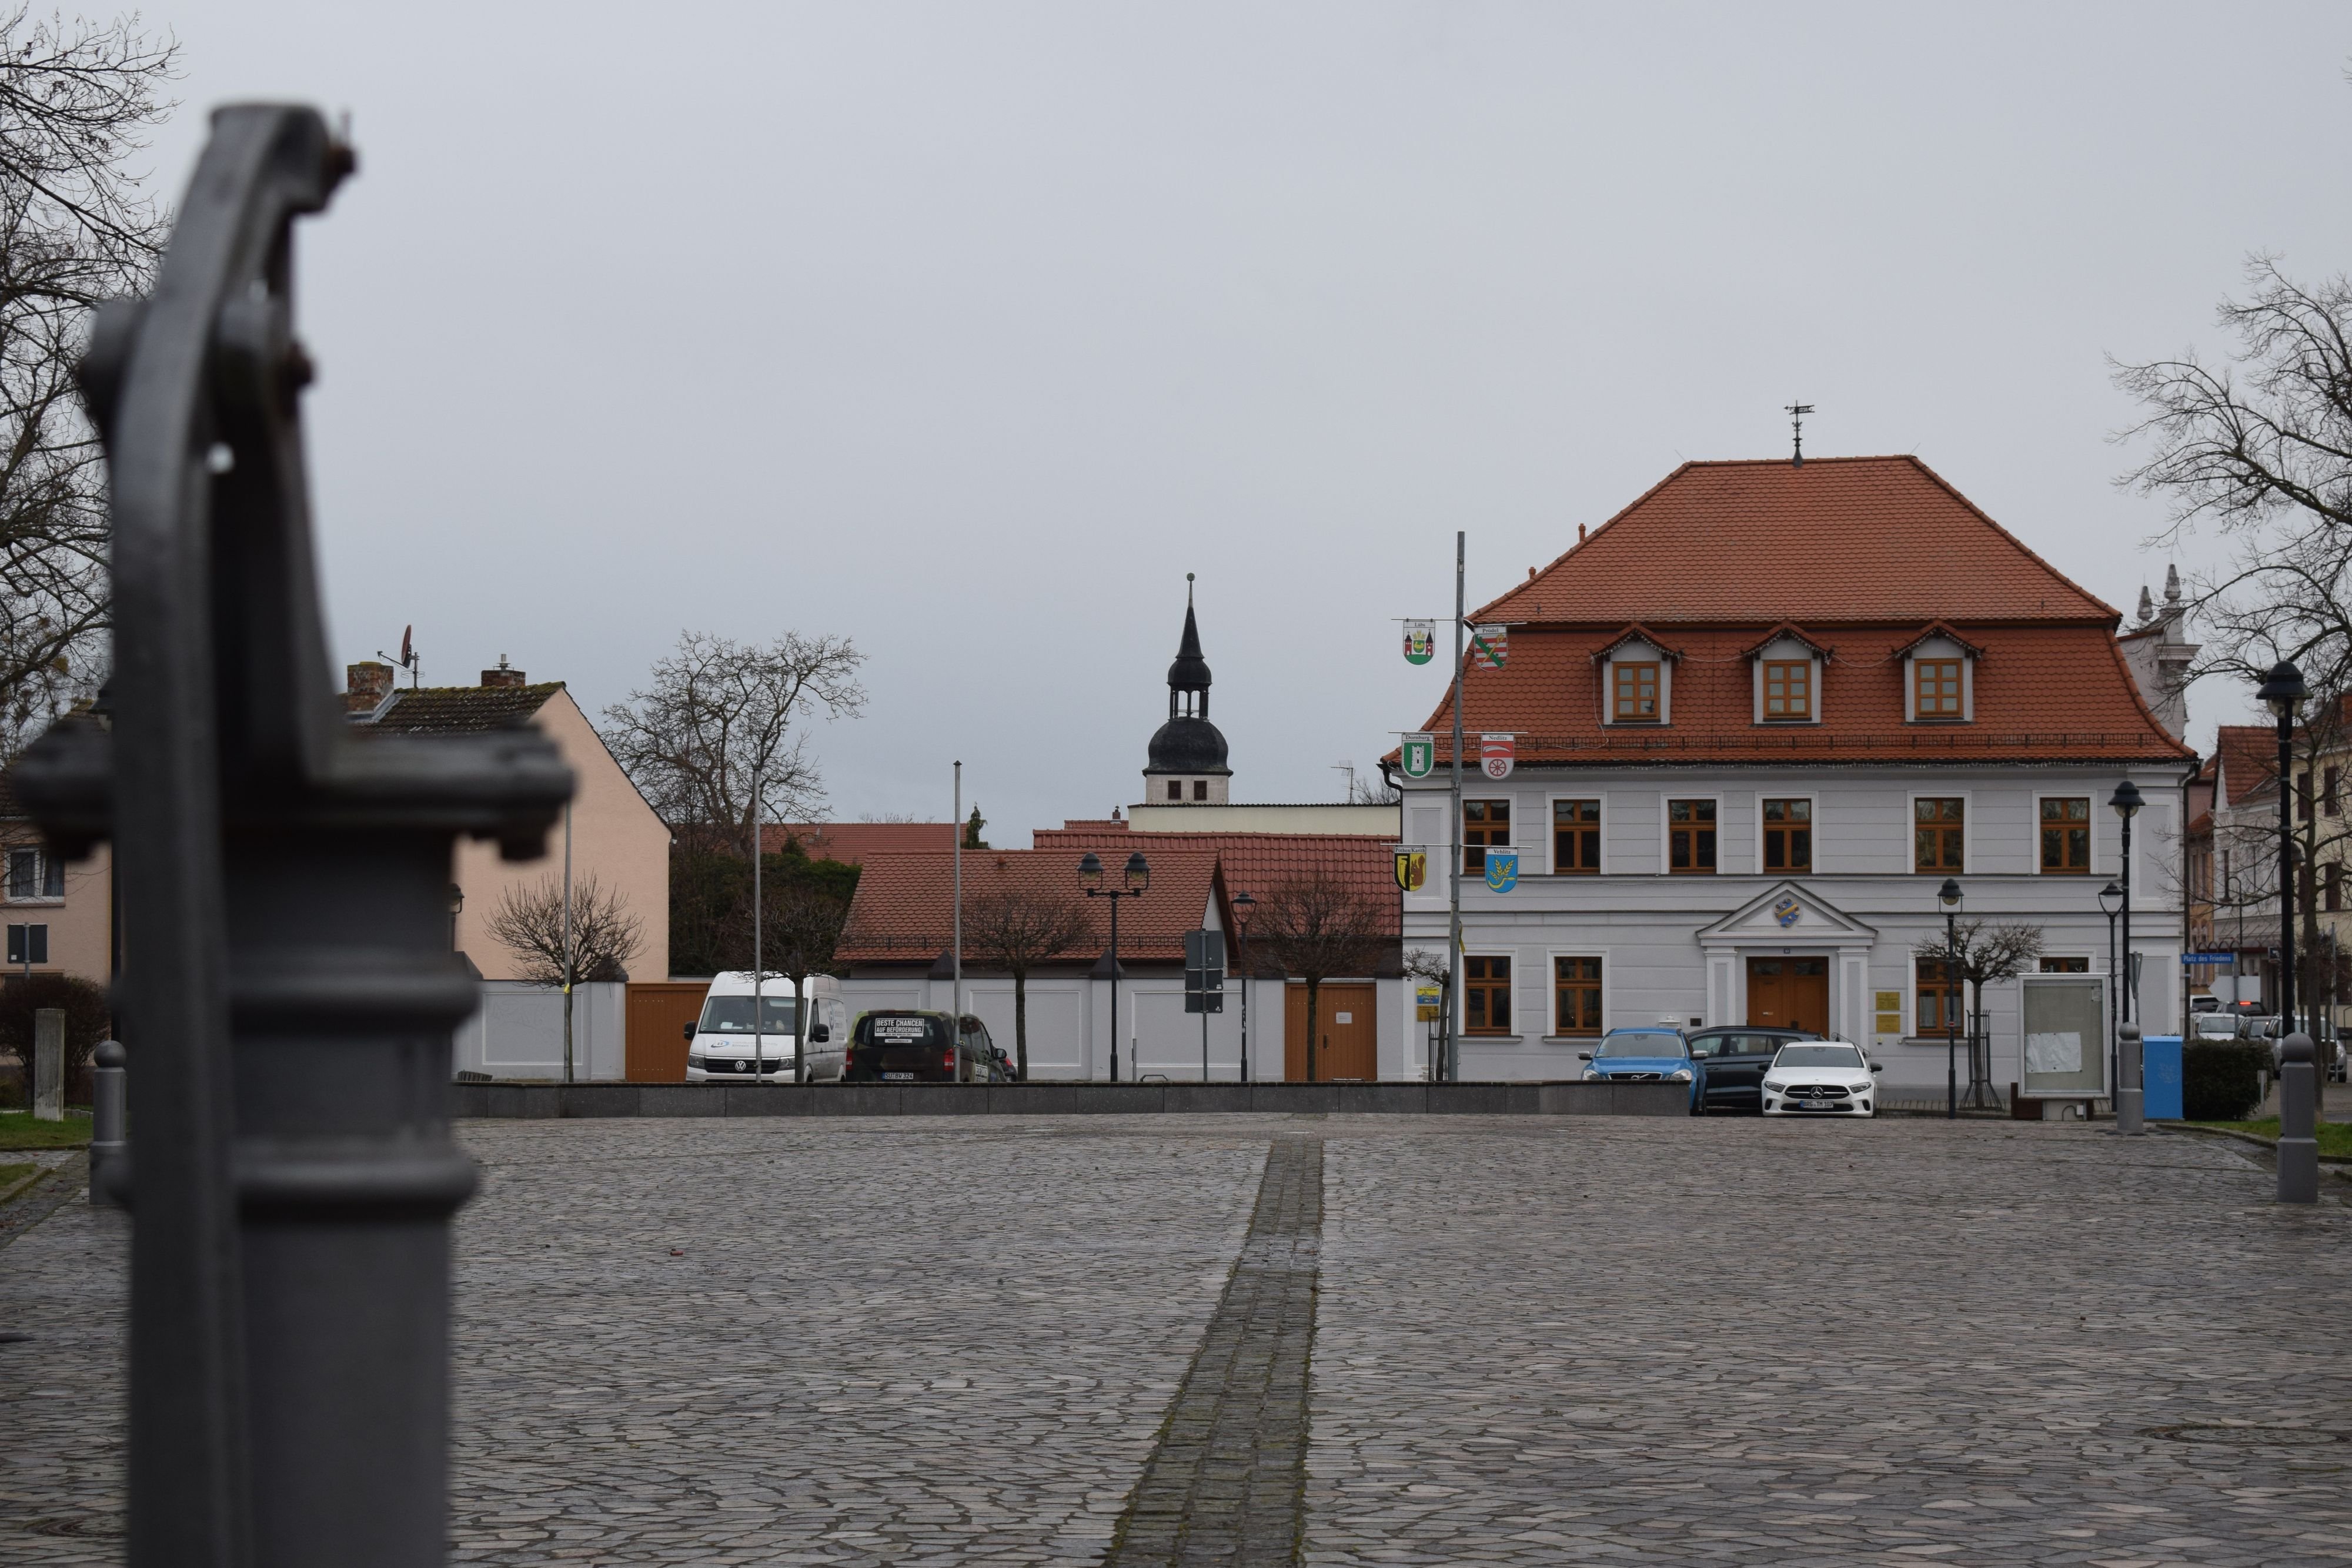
x=1187, y=761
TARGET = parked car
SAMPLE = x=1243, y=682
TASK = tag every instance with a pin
x=1820, y=1077
x=2327, y=1048
x=906, y=1046
x=723, y=1047
x=1641, y=1056
x=2205, y=1004
x=2213, y=1026
x=1731, y=1062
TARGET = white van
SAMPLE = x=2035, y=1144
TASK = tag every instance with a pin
x=723, y=1047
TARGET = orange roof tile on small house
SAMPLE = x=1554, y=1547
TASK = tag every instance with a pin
x=1868, y=555
x=904, y=907
x=2245, y=757
x=1256, y=864
x=856, y=842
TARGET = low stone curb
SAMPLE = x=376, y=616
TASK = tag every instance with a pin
x=2256, y=1139
x=545, y=1101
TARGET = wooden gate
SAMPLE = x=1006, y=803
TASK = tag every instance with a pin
x=658, y=1013
x=1350, y=1043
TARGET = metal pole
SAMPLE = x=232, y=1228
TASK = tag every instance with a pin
x=1951, y=1023
x=2286, y=871
x=2127, y=1041
x=758, y=946
x=1452, y=1066
x=2114, y=1052
x=567, y=943
x=1245, y=1077
x=955, y=962
x=1114, y=896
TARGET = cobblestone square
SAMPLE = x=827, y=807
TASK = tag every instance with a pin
x=1522, y=1340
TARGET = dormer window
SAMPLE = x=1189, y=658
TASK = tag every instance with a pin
x=1788, y=688
x=1939, y=677
x=1634, y=684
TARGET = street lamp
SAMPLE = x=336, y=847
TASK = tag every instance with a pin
x=1949, y=897
x=2111, y=903
x=2282, y=693
x=2126, y=803
x=1137, y=877
x=1244, y=907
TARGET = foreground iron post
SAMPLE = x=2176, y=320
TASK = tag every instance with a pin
x=2129, y=1096
x=2298, y=1148
x=110, y=1101
x=287, y=980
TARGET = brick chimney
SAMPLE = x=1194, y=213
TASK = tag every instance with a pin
x=365, y=685
x=503, y=676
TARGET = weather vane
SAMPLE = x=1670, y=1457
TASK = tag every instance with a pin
x=1797, y=412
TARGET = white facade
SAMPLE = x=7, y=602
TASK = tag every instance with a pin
x=1675, y=948
x=517, y=1033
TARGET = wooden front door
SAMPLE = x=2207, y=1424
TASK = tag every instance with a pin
x=1789, y=993
x=653, y=1043
x=1346, y=1046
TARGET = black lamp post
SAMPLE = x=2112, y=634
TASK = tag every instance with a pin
x=1137, y=876
x=1949, y=897
x=1244, y=907
x=2284, y=692
x=2125, y=1097
x=2111, y=903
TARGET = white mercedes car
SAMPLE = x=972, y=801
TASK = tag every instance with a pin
x=1823, y=1077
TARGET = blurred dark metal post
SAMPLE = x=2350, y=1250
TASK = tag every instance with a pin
x=288, y=979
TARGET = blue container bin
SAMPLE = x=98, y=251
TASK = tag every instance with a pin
x=2160, y=1077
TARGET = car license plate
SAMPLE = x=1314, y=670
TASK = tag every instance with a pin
x=908, y=1076
x=1819, y=1105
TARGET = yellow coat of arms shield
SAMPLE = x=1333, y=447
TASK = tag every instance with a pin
x=1412, y=869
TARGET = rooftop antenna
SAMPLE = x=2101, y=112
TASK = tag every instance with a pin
x=1797, y=412
x=1350, y=769
x=409, y=659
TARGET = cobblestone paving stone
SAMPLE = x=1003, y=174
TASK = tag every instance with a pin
x=1226, y=1481
x=1890, y=1343
x=918, y=1340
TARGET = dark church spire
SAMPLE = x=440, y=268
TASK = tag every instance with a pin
x=1190, y=673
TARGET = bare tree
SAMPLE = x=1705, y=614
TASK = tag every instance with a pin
x=76, y=102
x=1319, y=929
x=800, y=927
x=605, y=934
x=1429, y=968
x=1982, y=952
x=1015, y=931
x=717, y=711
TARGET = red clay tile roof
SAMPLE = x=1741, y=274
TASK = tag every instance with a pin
x=1258, y=863
x=1867, y=553
x=1839, y=540
x=856, y=842
x=2247, y=756
x=902, y=911
x=447, y=710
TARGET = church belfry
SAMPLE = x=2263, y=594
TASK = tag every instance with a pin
x=1187, y=760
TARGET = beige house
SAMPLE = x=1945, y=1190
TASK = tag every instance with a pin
x=615, y=835
x=59, y=916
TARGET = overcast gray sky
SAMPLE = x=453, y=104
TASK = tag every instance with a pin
x=968, y=329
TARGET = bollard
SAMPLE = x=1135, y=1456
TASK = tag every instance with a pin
x=48, y=1064
x=2129, y=1096
x=110, y=1099
x=2298, y=1148
x=285, y=927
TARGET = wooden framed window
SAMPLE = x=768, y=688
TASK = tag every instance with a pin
x=1690, y=838
x=2062, y=966
x=2303, y=796
x=1175, y=788
x=1633, y=692
x=1938, y=826
x=2328, y=779
x=1200, y=789
x=2333, y=887
x=2066, y=836
x=1937, y=1008
x=1788, y=689
x=1789, y=835
x=1575, y=838
x=1935, y=688
x=1486, y=996
x=1576, y=996
x=1484, y=822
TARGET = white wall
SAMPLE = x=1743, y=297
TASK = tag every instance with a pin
x=517, y=1033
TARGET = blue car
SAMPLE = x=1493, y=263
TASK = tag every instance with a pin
x=1642, y=1056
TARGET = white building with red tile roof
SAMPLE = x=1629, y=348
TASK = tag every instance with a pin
x=1759, y=719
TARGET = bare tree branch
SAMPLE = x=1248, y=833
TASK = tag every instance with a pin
x=605, y=934
x=1319, y=929
x=1017, y=931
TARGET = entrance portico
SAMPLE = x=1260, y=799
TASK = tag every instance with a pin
x=1787, y=922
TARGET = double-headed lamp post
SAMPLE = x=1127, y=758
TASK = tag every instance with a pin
x=2298, y=1154
x=1949, y=897
x=1137, y=877
x=1244, y=907
x=2125, y=1085
x=2111, y=903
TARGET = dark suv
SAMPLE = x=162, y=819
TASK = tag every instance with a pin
x=904, y=1046
x=1731, y=1062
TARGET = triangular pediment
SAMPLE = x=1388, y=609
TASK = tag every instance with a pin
x=1784, y=913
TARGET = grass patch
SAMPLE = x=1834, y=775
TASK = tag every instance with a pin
x=11, y=1175
x=18, y=1130
x=2334, y=1137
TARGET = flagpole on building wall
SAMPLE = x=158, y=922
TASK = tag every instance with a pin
x=759, y=949
x=1453, y=1067
x=956, y=921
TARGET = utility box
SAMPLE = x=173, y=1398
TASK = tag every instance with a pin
x=2159, y=1056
